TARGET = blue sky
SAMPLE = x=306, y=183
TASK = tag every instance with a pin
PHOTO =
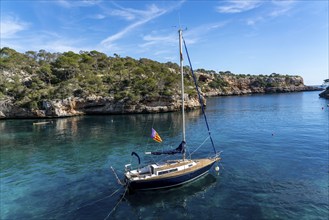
x=244, y=37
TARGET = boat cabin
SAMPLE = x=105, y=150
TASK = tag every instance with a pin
x=159, y=169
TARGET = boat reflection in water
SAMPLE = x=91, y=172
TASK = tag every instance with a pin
x=177, y=195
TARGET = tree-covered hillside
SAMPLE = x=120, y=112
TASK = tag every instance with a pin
x=35, y=76
x=28, y=80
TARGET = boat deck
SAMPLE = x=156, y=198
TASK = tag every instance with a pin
x=199, y=163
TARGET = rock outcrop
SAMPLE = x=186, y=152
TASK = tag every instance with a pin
x=42, y=84
x=95, y=105
x=325, y=93
x=242, y=85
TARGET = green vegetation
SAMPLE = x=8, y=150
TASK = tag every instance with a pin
x=218, y=82
x=33, y=77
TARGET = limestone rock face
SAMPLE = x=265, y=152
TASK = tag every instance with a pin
x=255, y=84
x=211, y=84
x=95, y=105
x=56, y=108
x=34, y=85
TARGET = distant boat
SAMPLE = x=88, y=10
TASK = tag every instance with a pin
x=41, y=123
x=171, y=173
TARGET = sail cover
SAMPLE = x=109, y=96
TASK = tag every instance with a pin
x=179, y=150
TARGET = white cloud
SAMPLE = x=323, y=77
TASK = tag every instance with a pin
x=49, y=41
x=132, y=14
x=277, y=8
x=127, y=15
x=279, y=12
x=254, y=21
x=163, y=44
x=98, y=16
x=238, y=6
x=282, y=7
x=196, y=34
x=142, y=17
x=283, y=3
x=154, y=40
x=9, y=26
x=78, y=3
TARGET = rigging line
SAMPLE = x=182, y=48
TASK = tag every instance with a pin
x=100, y=199
x=116, y=176
x=200, y=145
x=88, y=204
x=187, y=149
x=199, y=95
x=117, y=204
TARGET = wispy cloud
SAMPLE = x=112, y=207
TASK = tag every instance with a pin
x=153, y=40
x=281, y=7
x=143, y=17
x=255, y=20
x=98, y=16
x=63, y=45
x=49, y=41
x=80, y=3
x=163, y=44
x=238, y=6
x=131, y=13
x=11, y=25
x=192, y=35
x=139, y=18
x=125, y=14
x=276, y=8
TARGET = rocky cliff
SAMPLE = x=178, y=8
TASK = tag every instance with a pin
x=95, y=105
x=42, y=84
x=249, y=84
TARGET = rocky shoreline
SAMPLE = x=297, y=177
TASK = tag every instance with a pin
x=50, y=85
x=94, y=105
x=97, y=105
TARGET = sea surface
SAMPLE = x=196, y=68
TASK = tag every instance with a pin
x=274, y=163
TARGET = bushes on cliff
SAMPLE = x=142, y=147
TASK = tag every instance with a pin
x=218, y=82
x=33, y=77
x=61, y=75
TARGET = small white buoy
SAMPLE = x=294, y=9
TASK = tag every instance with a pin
x=217, y=168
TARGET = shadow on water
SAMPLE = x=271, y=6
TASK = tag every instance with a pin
x=176, y=195
x=205, y=198
x=172, y=203
x=140, y=204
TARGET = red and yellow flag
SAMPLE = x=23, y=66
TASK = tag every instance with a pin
x=156, y=136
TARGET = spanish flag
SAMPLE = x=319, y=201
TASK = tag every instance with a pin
x=156, y=136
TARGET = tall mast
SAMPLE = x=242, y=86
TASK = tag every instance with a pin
x=180, y=32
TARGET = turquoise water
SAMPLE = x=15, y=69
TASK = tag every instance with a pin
x=274, y=163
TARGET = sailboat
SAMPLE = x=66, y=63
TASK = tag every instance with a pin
x=172, y=173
